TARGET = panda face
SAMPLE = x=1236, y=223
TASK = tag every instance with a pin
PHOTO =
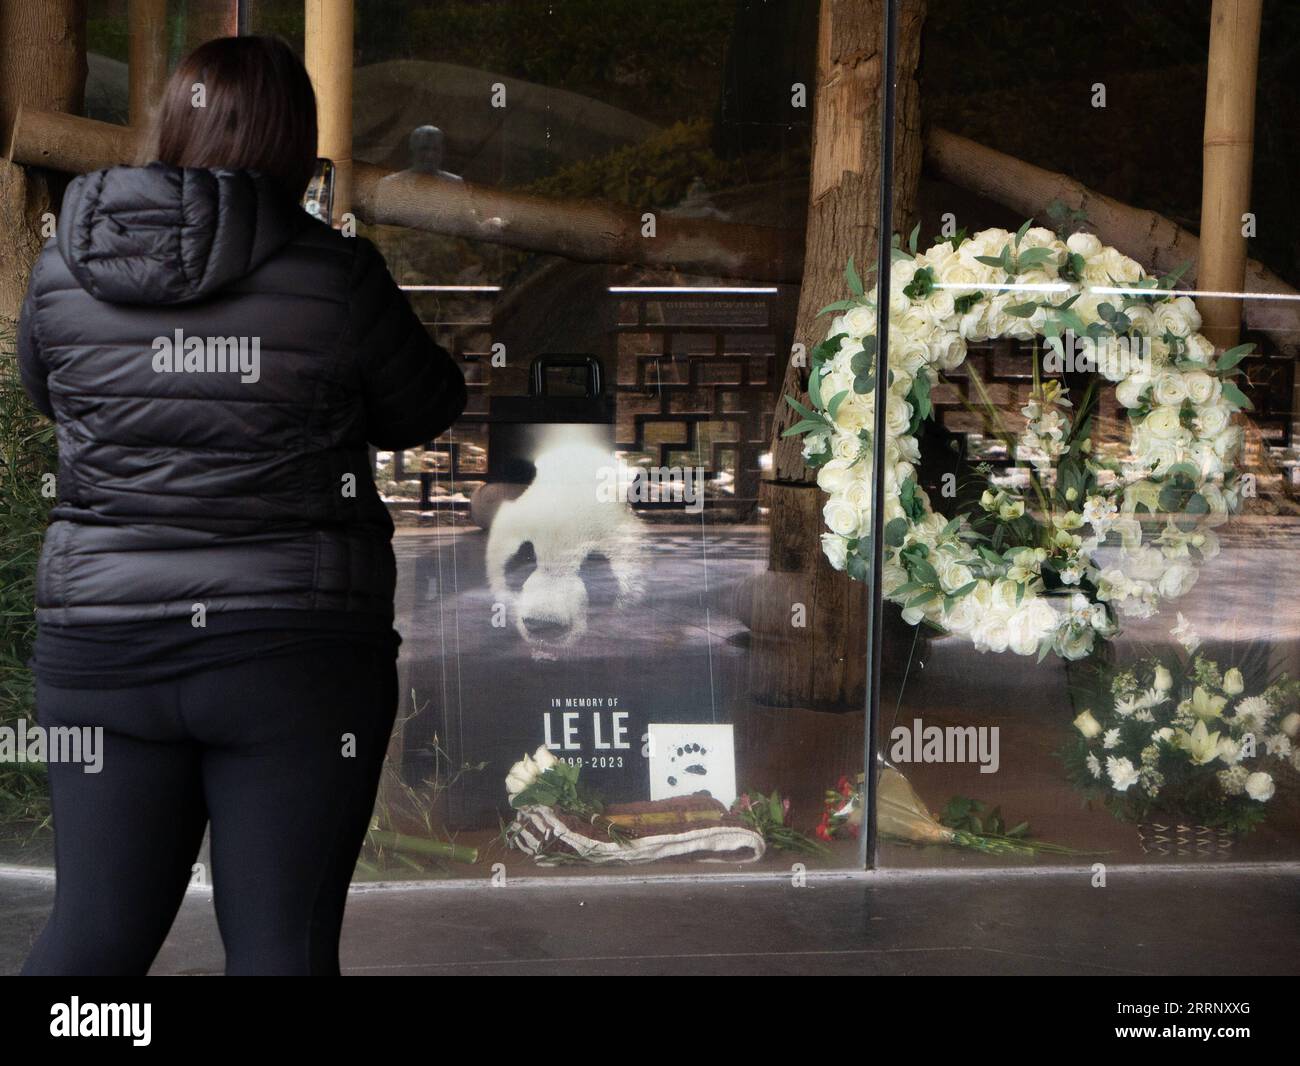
x=551, y=607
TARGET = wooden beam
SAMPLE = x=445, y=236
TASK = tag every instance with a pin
x=1150, y=238
x=66, y=142
x=328, y=55
x=1228, y=151
x=587, y=231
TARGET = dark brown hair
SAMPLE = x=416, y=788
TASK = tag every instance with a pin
x=258, y=113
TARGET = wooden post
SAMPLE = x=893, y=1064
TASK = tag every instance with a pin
x=1228, y=151
x=147, y=66
x=42, y=65
x=329, y=62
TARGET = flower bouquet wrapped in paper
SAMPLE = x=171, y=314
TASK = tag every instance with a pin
x=902, y=816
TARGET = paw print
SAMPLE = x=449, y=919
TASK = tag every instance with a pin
x=690, y=756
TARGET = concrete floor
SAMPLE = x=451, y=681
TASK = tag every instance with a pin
x=1239, y=919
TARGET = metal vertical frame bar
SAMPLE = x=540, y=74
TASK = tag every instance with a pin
x=875, y=615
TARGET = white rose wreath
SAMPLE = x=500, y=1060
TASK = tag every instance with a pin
x=1072, y=537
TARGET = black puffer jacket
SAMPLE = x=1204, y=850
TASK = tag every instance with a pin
x=183, y=483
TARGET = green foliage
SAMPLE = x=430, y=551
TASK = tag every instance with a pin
x=972, y=816
x=769, y=817
x=27, y=452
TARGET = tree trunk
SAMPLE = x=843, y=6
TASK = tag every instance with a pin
x=822, y=663
x=42, y=64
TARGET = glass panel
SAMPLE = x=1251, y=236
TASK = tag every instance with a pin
x=1093, y=645
x=538, y=608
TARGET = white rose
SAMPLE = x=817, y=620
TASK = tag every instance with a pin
x=1259, y=787
x=856, y=412
x=1177, y=316
x=1004, y=596
x=1200, y=387
x=1169, y=388
x=900, y=380
x=962, y=615
x=954, y=575
x=947, y=349
x=836, y=381
x=1129, y=391
x=1163, y=423
x=1164, y=681
x=1088, y=725
x=1199, y=348
x=974, y=324
x=842, y=517
x=860, y=321
x=1233, y=683
x=1291, y=725
x=521, y=775
x=1084, y=244
x=957, y=277
x=835, y=475
x=1228, y=442
x=846, y=447
x=1029, y=625
x=836, y=550
x=898, y=415
x=545, y=758
x=1214, y=419
x=941, y=305
x=990, y=633
x=913, y=322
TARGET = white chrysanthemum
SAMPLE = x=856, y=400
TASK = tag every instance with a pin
x=1278, y=744
x=1123, y=774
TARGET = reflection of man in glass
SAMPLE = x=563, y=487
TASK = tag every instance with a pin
x=426, y=150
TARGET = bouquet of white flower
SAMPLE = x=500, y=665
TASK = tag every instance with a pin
x=1180, y=738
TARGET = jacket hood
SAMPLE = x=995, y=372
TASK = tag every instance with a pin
x=161, y=234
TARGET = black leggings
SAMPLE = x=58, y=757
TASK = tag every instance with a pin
x=281, y=754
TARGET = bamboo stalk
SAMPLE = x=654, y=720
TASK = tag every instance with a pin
x=422, y=846
x=632, y=821
x=328, y=54
x=147, y=66
x=1228, y=151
